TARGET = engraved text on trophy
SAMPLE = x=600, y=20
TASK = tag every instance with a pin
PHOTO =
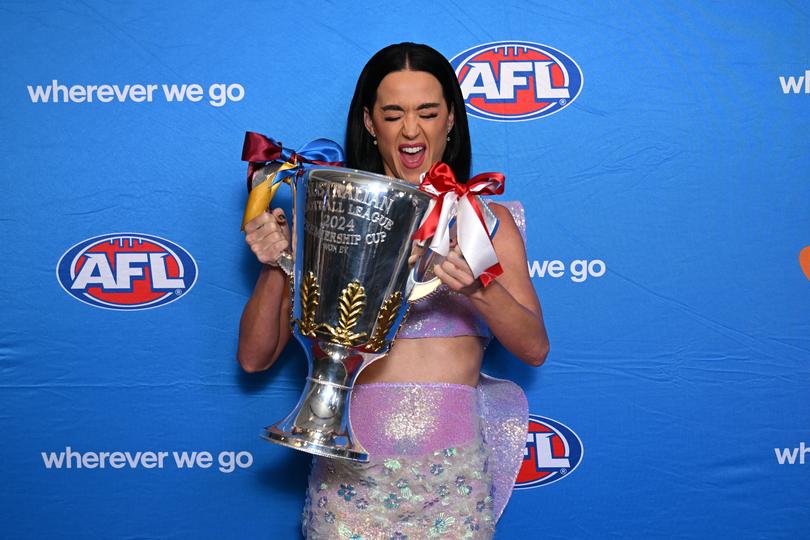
x=333, y=212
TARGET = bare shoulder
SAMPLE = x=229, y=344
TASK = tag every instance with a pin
x=511, y=251
x=501, y=212
x=508, y=233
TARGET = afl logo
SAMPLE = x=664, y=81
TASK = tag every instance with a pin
x=511, y=81
x=126, y=271
x=552, y=453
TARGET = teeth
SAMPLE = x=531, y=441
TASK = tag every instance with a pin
x=412, y=149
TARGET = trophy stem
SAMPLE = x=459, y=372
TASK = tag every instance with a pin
x=320, y=423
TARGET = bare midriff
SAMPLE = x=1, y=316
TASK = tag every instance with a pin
x=429, y=360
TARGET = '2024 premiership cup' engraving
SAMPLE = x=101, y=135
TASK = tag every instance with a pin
x=333, y=212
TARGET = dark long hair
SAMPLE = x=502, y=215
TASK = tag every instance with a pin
x=360, y=150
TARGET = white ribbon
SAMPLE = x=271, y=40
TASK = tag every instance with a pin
x=473, y=235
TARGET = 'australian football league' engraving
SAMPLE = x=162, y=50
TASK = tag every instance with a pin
x=333, y=213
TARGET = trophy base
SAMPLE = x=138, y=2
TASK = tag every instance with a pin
x=303, y=443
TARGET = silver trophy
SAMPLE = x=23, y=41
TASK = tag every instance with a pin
x=350, y=288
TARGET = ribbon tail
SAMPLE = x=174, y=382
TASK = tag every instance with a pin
x=260, y=196
x=488, y=216
x=257, y=150
x=441, y=238
x=490, y=274
x=426, y=227
x=475, y=243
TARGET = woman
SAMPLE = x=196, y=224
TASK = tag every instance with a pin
x=423, y=412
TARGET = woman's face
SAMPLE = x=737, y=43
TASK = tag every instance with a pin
x=410, y=120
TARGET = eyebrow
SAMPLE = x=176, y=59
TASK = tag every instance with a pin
x=419, y=108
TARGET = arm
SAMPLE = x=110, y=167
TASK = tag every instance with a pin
x=264, y=328
x=509, y=305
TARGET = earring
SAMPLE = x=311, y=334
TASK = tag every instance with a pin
x=448, y=137
x=374, y=140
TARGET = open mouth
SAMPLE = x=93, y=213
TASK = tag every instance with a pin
x=412, y=155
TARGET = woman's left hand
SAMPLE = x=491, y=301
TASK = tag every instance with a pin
x=456, y=273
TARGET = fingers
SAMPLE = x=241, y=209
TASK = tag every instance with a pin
x=279, y=216
x=257, y=222
x=267, y=223
x=440, y=272
x=259, y=229
x=272, y=216
x=416, y=252
x=454, y=276
x=456, y=273
x=457, y=259
x=269, y=253
x=268, y=235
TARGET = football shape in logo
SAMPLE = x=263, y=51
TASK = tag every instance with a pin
x=552, y=452
x=511, y=81
x=804, y=261
x=126, y=271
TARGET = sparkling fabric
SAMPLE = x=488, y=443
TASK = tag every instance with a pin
x=443, y=457
x=413, y=419
x=456, y=317
x=504, y=413
x=427, y=478
x=446, y=313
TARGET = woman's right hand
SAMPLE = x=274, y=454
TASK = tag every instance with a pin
x=268, y=235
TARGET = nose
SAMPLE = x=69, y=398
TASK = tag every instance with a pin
x=410, y=127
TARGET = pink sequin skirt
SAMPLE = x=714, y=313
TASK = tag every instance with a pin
x=431, y=473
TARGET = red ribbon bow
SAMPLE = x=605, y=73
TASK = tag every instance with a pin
x=259, y=150
x=440, y=182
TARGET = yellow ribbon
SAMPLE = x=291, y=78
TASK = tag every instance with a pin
x=261, y=195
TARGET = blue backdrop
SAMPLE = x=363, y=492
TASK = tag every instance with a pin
x=679, y=171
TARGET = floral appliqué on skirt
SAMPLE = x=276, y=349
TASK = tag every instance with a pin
x=444, y=494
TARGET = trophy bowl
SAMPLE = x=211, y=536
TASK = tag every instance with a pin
x=350, y=286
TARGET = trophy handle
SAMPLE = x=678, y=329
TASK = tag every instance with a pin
x=417, y=288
